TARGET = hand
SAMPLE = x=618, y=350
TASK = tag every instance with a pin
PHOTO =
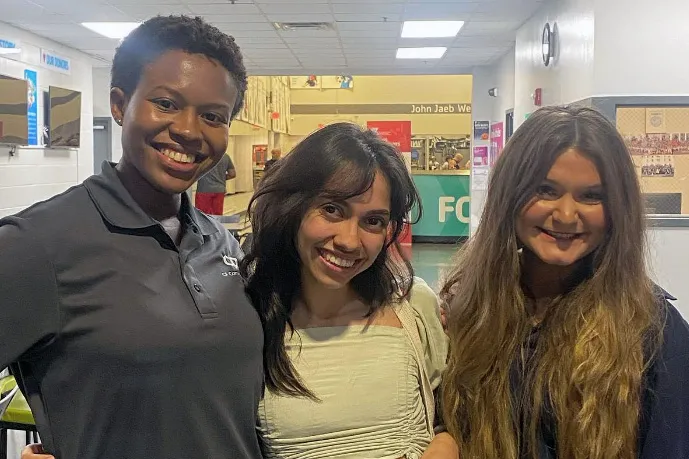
x=35, y=451
x=443, y=446
x=444, y=312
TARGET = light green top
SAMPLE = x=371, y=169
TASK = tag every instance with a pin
x=367, y=380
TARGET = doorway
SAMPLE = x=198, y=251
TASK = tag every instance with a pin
x=509, y=124
x=102, y=142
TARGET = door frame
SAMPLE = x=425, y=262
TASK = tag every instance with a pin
x=103, y=123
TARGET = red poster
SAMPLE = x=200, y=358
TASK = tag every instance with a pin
x=497, y=140
x=397, y=133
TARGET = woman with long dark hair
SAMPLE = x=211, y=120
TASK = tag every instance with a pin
x=353, y=342
x=560, y=345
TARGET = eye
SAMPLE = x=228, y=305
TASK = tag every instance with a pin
x=376, y=222
x=592, y=197
x=215, y=118
x=165, y=104
x=547, y=192
x=331, y=210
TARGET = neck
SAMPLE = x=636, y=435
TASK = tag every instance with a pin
x=318, y=305
x=543, y=281
x=157, y=204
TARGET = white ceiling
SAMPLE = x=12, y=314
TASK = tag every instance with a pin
x=364, y=40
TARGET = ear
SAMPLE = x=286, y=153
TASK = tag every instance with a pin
x=118, y=104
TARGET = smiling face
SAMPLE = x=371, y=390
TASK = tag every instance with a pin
x=565, y=221
x=175, y=125
x=338, y=240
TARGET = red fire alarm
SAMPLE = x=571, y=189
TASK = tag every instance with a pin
x=275, y=115
x=538, y=97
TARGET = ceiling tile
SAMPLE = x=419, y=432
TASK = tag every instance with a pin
x=233, y=18
x=439, y=11
x=247, y=26
x=298, y=8
x=379, y=9
x=294, y=17
x=143, y=12
x=359, y=17
x=395, y=27
x=224, y=8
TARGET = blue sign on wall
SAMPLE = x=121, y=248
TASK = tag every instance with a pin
x=52, y=61
x=6, y=44
x=32, y=99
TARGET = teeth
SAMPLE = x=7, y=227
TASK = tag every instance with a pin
x=338, y=261
x=561, y=235
x=177, y=156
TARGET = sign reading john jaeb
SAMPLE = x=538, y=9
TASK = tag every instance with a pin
x=454, y=108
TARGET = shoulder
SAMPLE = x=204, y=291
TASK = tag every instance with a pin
x=56, y=206
x=675, y=335
x=48, y=219
x=423, y=300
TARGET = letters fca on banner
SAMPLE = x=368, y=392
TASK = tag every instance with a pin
x=448, y=204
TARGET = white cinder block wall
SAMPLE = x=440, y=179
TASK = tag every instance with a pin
x=35, y=174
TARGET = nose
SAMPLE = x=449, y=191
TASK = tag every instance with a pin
x=347, y=237
x=186, y=127
x=565, y=211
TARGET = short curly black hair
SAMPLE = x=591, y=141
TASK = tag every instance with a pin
x=164, y=33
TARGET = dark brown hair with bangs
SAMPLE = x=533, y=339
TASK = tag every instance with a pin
x=337, y=162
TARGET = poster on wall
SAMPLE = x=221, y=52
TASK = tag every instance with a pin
x=337, y=82
x=259, y=153
x=397, y=133
x=32, y=104
x=497, y=142
x=481, y=155
x=305, y=82
x=481, y=130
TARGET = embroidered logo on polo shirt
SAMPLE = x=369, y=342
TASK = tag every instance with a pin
x=232, y=263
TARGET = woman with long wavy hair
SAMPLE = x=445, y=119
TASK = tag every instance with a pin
x=560, y=344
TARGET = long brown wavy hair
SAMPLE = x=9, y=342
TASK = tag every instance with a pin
x=594, y=343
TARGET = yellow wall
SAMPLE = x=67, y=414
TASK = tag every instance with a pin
x=407, y=89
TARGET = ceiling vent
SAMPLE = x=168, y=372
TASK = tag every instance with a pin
x=297, y=26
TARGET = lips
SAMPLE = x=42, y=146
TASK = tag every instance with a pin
x=561, y=236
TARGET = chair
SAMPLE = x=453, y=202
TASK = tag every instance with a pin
x=6, y=397
x=15, y=414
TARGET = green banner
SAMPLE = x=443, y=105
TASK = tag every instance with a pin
x=445, y=201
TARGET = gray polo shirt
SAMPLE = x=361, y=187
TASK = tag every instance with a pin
x=215, y=179
x=125, y=345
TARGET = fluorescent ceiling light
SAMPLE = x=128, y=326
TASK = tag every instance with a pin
x=431, y=29
x=115, y=30
x=421, y=53
x=10, y=50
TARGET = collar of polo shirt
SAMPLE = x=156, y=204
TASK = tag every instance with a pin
x=119, y=209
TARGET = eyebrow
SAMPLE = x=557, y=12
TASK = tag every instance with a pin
x=590, y=187
x=178, y=94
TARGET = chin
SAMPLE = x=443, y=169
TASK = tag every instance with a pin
x=562, y=260
x=168, y=184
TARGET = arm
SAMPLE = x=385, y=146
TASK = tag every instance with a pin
x=443, y=446
x=230, y=172
x=35, y=451
x=664, y=425
x=28, y=291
